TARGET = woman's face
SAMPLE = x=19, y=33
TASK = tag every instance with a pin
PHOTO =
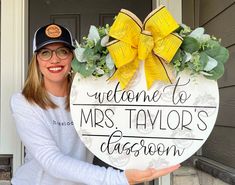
x=54, y=62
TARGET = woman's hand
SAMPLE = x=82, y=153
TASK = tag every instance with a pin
x=137, y=176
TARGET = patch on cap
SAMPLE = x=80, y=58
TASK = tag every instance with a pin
x=53, y=31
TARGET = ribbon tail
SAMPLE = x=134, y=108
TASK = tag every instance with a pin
x=155, y=70
x=125, y=73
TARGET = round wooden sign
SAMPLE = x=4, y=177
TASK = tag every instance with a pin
x=140, y=128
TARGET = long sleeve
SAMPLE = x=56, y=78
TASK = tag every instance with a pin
x=39, y=142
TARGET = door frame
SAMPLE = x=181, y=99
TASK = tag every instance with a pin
x=14, y=48
x=14, y=62
x=175, y=7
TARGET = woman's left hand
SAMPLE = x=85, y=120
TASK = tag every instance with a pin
x=135, y=176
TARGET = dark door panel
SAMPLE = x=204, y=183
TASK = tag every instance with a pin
x=78, y=15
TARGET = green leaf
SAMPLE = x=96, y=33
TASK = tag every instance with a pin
x=187, y=57
x=205, y=73
x=195, y=63
x=178, y=60
x=104, y=41
x=213, y=43
x=89, y=55
x=197, y=33
x=179, y=29
x=183, y=30
x=82, y=68
x=190, y=45
x=109, y=62
x=88, y=52
x=211, y=64
x=98, y=47
x=93, y=34
x=217, y=72
x=75, y=65
x=203, y=60
x=219, y=53
x=204, y=38
x=101, y=31
x=177, y=55
x=79, y=53
x=99, y=71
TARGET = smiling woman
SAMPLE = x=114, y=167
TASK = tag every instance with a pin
x=49, y=72
x=54, y=152
x=55, y=68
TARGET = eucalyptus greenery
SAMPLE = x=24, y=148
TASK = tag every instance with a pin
x=201, y=53
x=92, y=56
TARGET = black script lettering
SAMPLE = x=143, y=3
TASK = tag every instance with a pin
x=161, y=128
x=147, y=98
x=125, y=96
x=157, y=119
x=189, y=117
x=130, y=116
x=109, y=96
x=202, y=121
x=161, y=149
x=114, y=145
x=97, y=96
x=152, y=148
x=150, y=118
x=98, y=114
x=114, y=138
x=181, y=96
x=175, y=151
x=97, y=118
x=108, y=116
x=171, y=121
x=141, y=116
x=86, y=118
x=146, y=117
x=128, y=96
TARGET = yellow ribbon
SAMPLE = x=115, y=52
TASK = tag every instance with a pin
x=152, y=42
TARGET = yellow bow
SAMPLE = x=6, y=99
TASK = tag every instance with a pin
x=152, y=42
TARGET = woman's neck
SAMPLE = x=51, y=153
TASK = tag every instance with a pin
x=57, y=88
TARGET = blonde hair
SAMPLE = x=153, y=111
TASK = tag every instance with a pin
x=34, y=90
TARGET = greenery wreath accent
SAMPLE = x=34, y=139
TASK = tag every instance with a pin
x=199, y=52
x=92, y=56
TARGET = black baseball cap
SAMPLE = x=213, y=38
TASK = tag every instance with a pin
x=52, y=33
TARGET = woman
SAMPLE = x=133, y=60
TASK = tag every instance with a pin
x=54, y=153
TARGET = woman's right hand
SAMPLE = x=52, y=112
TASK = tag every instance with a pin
x=138, y=176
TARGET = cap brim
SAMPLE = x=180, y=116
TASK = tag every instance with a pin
x=54, y=41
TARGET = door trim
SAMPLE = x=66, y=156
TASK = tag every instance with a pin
x=14, y=36
x=175, y=7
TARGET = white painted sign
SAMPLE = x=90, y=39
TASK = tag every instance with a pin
x=140, y=128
